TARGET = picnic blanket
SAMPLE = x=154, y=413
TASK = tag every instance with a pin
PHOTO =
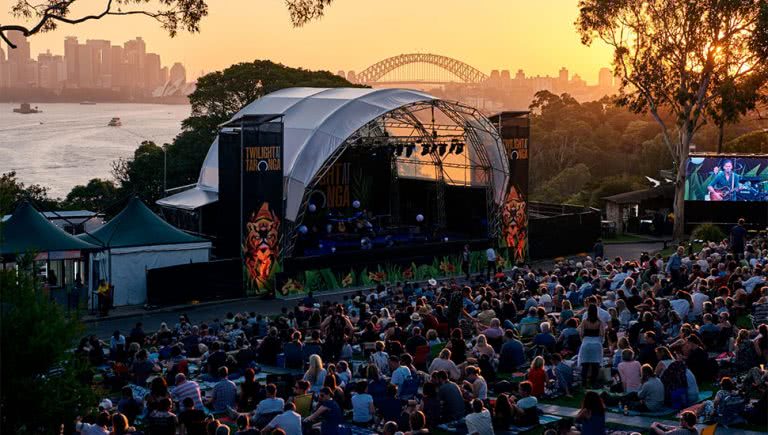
x=703, y=395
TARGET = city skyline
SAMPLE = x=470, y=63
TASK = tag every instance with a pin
x=497, y=36
x=93, y=69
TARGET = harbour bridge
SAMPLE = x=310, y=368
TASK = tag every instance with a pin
x=423, y=68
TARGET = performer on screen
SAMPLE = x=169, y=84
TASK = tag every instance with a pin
x=724, y=184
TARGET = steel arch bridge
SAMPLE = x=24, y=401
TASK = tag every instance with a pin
x=463, y=71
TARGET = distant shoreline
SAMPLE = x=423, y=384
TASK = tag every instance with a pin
x=181, y=101
x=73, y=95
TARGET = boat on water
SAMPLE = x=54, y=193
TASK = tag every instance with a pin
x=26, y=108
x=114, y=122
x=87, y=103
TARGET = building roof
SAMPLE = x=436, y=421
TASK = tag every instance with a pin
x=316, y=122
x=27, y=230
x=635, y=197
x=137, y=225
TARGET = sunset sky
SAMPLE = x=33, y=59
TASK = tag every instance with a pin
x=535, y=35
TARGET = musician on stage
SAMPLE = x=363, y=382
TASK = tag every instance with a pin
x=725, y=181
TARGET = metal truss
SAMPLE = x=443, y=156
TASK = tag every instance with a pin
x=465, y=72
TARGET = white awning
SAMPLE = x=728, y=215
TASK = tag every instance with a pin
x=190, y=199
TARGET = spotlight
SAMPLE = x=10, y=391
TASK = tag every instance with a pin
x=442, y=147
x=427, y=149
x=409, y=150
x=453, y=146
x=459, y=148
x=399, y=150
x=434, y=134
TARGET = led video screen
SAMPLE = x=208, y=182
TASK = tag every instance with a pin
x=724, y=178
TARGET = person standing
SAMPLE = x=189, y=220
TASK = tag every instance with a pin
x=465, y=262
x=490, y=255
x=737, y=238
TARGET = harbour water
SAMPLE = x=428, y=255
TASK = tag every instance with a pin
x=69, y=144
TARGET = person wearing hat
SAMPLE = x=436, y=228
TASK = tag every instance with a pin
x=415, y=322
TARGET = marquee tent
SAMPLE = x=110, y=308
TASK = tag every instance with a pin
x=29, y=231
x=137, y=240
x=317, y=122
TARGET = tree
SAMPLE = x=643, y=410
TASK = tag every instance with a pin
x=94, y=196
x=220, y=94
x=12, y=191
x=43, y=381
x=671, y=55
x=172, y=15
x=143, y=174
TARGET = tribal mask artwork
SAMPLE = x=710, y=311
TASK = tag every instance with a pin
x=261, y=249
x=514, y=220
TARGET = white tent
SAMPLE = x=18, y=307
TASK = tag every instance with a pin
x=135, y=241
x=317, y=121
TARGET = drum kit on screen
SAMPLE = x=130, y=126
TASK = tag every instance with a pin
x=752, y=189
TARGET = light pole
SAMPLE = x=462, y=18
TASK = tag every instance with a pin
x=165, y=166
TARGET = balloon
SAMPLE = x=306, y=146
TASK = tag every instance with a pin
x=445, y=239
x=303, y=229
x=333, y=249
x=356, y=204
x=312, y=208
x=320, y=246
x=419, y=218
x=329, y=228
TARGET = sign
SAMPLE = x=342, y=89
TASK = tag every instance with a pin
x=335, y=186
x=514, y=129
x=261, y=204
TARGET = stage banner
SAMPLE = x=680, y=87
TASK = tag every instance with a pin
x=262, y=205
x=514, y=129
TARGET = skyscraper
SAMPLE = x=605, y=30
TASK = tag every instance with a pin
x=51, y=70
x=84, y=67
x=70, y=58
x=19, y=61
x=101, y=62
x=605, y=79
x=152, y=71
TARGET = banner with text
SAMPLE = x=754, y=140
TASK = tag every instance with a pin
x=262, y=205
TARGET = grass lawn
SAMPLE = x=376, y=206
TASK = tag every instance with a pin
x=672, y=247
x=624, y=238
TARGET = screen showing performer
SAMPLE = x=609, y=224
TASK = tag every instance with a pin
x=727, y=179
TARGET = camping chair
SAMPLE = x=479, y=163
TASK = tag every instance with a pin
x=709, y=430
x=410, y=388
x=420, y=357
x=303, y=404
x=294, y=357
x=435, y=350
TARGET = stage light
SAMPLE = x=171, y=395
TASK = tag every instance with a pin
x=427, y=149
x=359, y=141
x=399, y=150
x=443, y=148
x=409, y=150
x=434, y=134
x=459, y=148
x=355, y=204
x=452, y=149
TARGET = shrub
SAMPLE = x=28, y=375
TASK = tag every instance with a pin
x=708, y=233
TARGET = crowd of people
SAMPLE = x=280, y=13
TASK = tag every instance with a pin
x=642, y=335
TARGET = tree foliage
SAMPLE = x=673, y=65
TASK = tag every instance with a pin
x=95, y=195
x=12, y=191
x=42, y=381
x=690, y=58
x=173, y=15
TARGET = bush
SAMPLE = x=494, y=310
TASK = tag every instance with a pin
x=708, y=233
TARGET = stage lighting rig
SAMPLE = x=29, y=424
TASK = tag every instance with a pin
x=427, y=149
x=442, y=147
x=459, y=148
x=409, y=150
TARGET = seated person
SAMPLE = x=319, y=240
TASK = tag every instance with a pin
x=630, y=371
x=650, y=397
x=687, y=426
x=525, y=409
x=562, y=373
x=545, y=337
x=512, y=353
